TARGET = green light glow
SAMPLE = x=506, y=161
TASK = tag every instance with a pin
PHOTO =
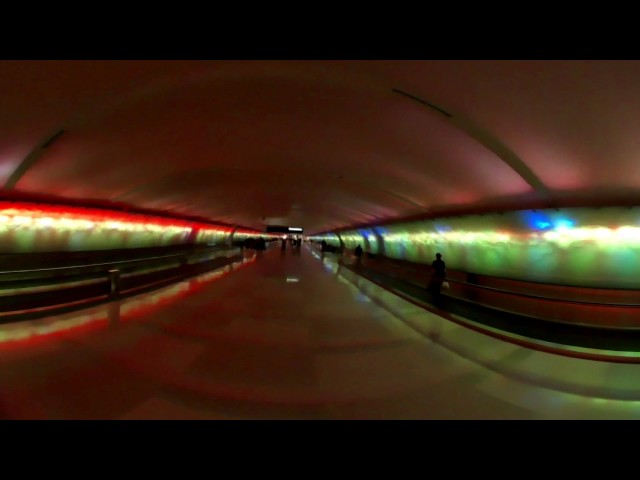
x=579, y=246
x=331, y=239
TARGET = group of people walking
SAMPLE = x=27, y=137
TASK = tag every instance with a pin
x=437, y=271
x=255, y=243
x=296, y=243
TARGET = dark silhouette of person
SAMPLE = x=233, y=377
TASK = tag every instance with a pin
x=284, y=244
x=438, y=276
x=358, y=252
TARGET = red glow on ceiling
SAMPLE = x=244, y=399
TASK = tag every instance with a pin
x=100, y=215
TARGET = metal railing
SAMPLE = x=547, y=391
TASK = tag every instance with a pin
x=585, y=306
x=27, y=293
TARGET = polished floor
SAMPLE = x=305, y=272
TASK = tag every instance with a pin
x=285, y=336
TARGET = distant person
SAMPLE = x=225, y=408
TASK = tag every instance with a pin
x=284, y=244
x=438, y=275
x=358, y=252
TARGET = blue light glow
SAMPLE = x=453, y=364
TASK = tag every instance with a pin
x=443, y=228
x=537, y=220
x=564, y=223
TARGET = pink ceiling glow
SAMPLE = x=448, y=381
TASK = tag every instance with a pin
x=319, y=144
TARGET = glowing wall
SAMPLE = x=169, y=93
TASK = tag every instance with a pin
x=578, y=246
x=331, y=239
x=365, y=237
x=209, y=236
x=28, y=227
x=243, y=234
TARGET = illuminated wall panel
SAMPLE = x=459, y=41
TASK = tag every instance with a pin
x=579, y=246
x=365, y=237
x=212, y=236
x=352, y=239
x=242, y=234
x=331, y=239
x=28, y=227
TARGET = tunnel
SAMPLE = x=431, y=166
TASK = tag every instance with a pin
x=257, y=239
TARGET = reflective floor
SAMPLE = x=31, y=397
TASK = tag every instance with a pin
x=284, y=336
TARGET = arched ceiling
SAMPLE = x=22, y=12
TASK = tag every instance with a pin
x=320, y=144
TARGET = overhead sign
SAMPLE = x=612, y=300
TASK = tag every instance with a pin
x=283, y=229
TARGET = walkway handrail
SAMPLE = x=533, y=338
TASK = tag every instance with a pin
x=414, y=268
x=88, y=282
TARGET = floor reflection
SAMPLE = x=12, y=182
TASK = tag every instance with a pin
x=261, y=345
x=25, y=333
x=571, y=378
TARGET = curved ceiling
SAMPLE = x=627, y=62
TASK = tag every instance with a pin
x=320, y=144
